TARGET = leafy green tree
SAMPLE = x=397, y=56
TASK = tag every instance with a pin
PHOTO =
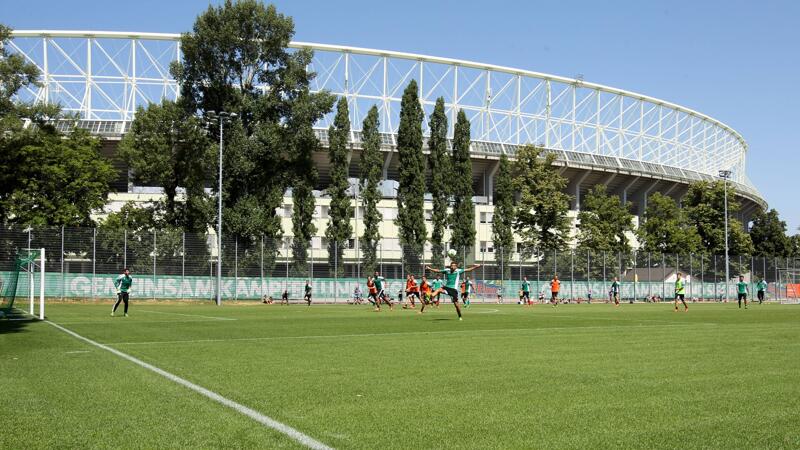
x=462, y=221
x=503, y=220
x=541, y=215
x=794, y=245
x=339, y=228
x=411, y=192
x=167, y=147
x=666, y=229
x=54, y=179
x=370, y=175
x=768, y=233
x=235, y=50
x=704, y=205
x=439, y=165
x=604, y=222
x=15, y=74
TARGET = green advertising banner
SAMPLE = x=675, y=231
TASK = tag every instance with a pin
x=100, y=286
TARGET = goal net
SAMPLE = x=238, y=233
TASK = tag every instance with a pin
x=788, y=288
x=26, y=276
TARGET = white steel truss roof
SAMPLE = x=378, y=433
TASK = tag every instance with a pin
x=107, y=75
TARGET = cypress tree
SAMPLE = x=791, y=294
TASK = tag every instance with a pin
x=503, y=216
x=370, y=176
x=462, y=221
x=439, y=164
x=411, y=192
x=339, y=228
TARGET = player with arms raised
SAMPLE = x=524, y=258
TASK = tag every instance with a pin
x=452, y=281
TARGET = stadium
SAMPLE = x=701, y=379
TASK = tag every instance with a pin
x=632, y=143
x=536, y=374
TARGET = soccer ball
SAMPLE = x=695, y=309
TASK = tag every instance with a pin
x=452, y=252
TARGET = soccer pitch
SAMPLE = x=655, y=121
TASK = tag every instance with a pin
x=507, y=376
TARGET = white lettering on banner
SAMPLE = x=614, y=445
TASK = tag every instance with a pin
x=186, y=288
x=226, y=288
x=203, y=288
x=170, y=288
x=80, y=286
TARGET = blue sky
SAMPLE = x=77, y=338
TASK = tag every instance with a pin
x=734, y=60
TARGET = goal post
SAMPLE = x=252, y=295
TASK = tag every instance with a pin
x=787, y=289
x=26, y=278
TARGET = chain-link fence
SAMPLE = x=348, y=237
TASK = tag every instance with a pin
x=169, y=264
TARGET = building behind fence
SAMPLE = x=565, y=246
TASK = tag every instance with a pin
x=82, y=262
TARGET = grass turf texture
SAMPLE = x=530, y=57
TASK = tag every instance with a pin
x=576, y=376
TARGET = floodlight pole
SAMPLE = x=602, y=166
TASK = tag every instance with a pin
x=725, y=174
x=223, y=115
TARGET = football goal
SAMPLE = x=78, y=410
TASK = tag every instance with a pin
x=26, y=277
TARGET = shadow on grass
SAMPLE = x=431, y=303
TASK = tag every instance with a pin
x=14, y=321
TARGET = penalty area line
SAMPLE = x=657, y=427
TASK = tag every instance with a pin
x=185, y=315
x=267, y=421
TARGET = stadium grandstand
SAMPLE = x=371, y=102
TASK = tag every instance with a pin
x=633, y=144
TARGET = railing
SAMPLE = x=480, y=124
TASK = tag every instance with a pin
x=82, y=263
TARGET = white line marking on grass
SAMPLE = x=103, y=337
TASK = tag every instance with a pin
x=488, y=311
x=78, y=351
x=185, y=315
x=121, y=320
x=404, y=333
x=238, y=407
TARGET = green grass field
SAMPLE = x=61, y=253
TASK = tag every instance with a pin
x=576, y=376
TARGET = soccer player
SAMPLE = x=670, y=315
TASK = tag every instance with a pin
x=425, y=289
x=307, y=297
x=285, y=297
x=615, y=291
x=372, y=294
x=466, y=290
x=381, y=296
x=555, y=286
x=761, y=287
x=741, y=291
x=452, y=275
x=412, y=290
x=123, y=285
x=526, y=292
x=436, y=288
x=680, y=293
x=357, y=299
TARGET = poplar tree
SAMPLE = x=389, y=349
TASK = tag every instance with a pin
x=339, y=228
x=503, y=219
x=439, y=165
x=411, y=192
x=462, y=220
x=370, y=175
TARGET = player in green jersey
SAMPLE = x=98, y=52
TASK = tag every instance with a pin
x=525, y=292
x=435, y=290
x=123, y=285
x=615, y=291
x=452, y=281
x=680, y=292
x=741, y=291
x=761, y=288
x=381, y=293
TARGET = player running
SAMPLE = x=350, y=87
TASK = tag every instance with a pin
x=555, y=286
x=381, y=294
x=425, y=290
x=412, y=290
x=761, y=288
x=285, y=297
x=452, y=275
x=741, y=291
x=680, y=293
x=123, y=285
x=615, y=291
x=525, y=296
x=307, y=296
x=466, y=290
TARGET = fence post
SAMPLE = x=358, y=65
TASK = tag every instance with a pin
x=155, y=252
x=538, y=272
x=702, y=277
x=183, y=260
x=235, y=266
x=335, y=271
x=691, y=278
x=649, y=276
x=261, y=270
x=588, y=276
x=572, y=275
x=125, y=248
x=62, y=262
x=635, y=273
x=663, y=276
x=94, y=255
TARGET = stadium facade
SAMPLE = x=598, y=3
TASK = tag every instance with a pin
x=632, y=143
